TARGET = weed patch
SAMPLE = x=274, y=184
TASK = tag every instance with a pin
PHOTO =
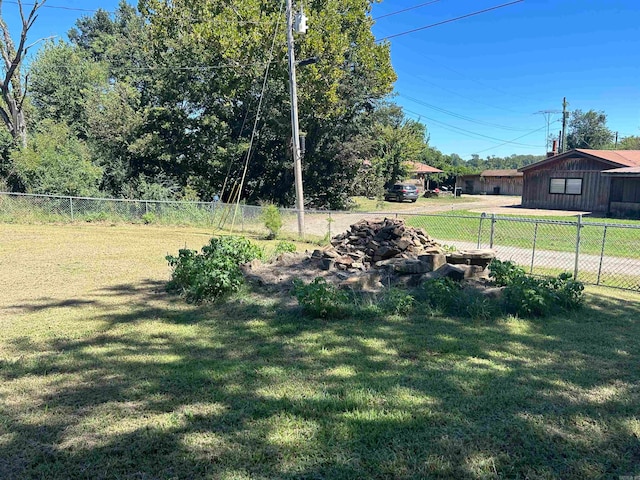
x=212, y=273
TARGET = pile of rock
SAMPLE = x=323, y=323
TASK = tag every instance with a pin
x=369, y=242
x=389, y=245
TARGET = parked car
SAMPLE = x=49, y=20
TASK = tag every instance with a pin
x=401, y=192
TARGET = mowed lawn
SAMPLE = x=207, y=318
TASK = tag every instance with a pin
x=465, y=226
x=102, y=375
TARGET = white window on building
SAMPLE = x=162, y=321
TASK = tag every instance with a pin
x=557, y=185
x=566, y=186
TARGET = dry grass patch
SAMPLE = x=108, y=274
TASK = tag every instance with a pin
x=103, y=376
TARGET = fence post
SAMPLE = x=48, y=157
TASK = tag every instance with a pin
x=71, y=207
x=146, y=207
x=493, y=222
x=604, y=239
x=329, y=224
x=480, y=227
x=533, y=252
x=579, y=227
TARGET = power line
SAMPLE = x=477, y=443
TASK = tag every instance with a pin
x=458, y=94
x=517, y=138
x=406, y=9
x=471, y=134
x=461, y=117
x=61, y=7
x=406, y=32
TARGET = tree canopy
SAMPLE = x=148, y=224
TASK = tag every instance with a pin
x=589, y=130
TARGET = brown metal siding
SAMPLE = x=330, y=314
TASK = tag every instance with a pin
x=595, y=186
x=508, y=185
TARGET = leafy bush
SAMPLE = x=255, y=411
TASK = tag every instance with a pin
x=272, y=220
x=535, y=297
x=321, y=299
x=441, y=292
x=56, y=162
x=527, y=297
x=212, y=273
x=149, y=218
x=397, y=301
x=284, y=247
x=504, y=273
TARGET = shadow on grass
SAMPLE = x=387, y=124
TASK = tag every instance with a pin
x=255, y=389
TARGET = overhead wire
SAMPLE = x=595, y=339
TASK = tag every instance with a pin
x=517, y=138
x=61, y=7
x=460, y=116
x=470, y=133
x=405, y=9
x=257, y=118
x=472, y=14
x=458, y=94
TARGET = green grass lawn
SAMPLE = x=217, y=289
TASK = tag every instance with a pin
x=620, y=242
x=105, y=376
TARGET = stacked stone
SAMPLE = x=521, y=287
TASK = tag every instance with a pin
x=374, y=242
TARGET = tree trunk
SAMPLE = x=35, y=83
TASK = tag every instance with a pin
x=11, y=85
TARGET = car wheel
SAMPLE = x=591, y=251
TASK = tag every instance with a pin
x=414, y=200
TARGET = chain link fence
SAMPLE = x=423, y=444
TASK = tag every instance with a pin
x=599, y=253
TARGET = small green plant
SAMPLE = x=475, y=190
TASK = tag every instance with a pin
x=397, y=301
x=212, y=273
x=441, y=293
x=504, y=273
x=534, y=297
x=149, y=218
x=284, y=246
x=321, y=298
x=96, y=217
x=272, y=220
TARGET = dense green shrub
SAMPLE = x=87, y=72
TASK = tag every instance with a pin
x=149, y=218
x=272, y=220
x=535, y=297
x=397, y=301
x=56, y=162
x=212, y=273
x=504, y=273
x=321, y=298
x=441, y=293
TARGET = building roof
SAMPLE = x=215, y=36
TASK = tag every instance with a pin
x=418, y=167
x=501, y=173
x=623, y=158
x=626, y=171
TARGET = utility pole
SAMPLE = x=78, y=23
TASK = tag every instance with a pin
x=295, y=128
x=616, y=145
x=565, y=116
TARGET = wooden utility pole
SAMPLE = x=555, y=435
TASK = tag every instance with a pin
x=295, y=129
x=565, y=117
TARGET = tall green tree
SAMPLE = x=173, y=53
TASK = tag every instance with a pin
x=55, y=161
x=62, y=78
x=219, y=53
x=632, y=142
x=589, y=130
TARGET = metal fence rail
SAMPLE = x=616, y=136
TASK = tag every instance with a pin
x=595, y=252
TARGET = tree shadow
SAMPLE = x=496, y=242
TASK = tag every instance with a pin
x=253, y=388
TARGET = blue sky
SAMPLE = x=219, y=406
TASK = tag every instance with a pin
x=478, y=82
